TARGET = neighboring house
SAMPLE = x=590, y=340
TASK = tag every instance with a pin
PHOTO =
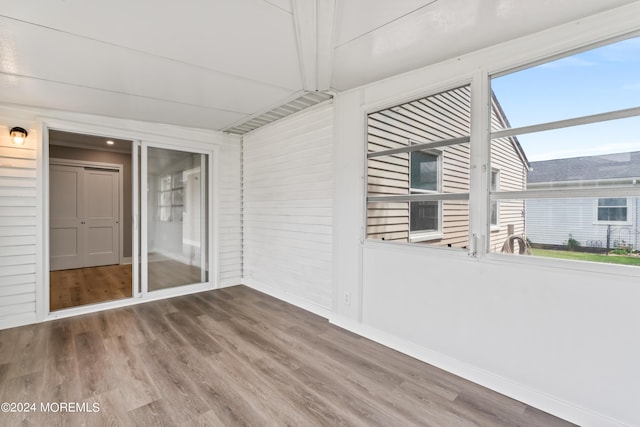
x=594, y=222
x=442, y=170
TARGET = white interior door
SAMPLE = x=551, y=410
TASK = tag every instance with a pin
x=101, y=212
x=84, y=217
x=66, y=217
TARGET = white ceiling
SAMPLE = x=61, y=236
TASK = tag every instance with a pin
x=215, y=64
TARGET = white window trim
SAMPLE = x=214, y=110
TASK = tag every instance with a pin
x=426, y=235
x=630, y=212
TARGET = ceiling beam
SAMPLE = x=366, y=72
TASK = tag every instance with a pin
x=314, y=25
x=325, y=25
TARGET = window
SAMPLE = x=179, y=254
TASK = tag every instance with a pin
x=493, y=187
x=170, y=198
x=575, y=122
x=425, y=172
x=425, y=179
x=612, y=210
x=418, y=170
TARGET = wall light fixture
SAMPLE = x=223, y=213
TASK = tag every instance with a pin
x=18, y=135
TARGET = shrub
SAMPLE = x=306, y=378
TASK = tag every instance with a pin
x=619, y=251
x=572, y=244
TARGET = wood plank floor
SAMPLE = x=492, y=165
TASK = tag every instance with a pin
x=168, y=273
x=231, y=357
x=90, y=285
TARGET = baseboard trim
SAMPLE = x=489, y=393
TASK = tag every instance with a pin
x=286, y=297
x=535, y=398
x=229, y=282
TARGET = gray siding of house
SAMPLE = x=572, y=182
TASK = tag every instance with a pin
x=438, y=117
x=550, y=221
x=513, y=177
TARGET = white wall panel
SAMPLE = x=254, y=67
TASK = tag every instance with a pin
x=230, y=237
x=18, y=206
x=288, y=207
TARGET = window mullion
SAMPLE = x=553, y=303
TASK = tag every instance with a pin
x=594, y=118
x=479, y=152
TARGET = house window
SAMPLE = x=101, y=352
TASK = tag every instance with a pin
x=493, y=187
x=425, y=172
x=612, y=210
x=170, y=198
x=575, y=121
x=425, y=178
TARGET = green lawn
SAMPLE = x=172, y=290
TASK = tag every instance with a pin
x=585, y=256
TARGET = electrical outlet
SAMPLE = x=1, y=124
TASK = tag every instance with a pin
x=347, y=298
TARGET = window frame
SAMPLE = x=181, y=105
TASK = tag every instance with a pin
x=629, y=206
x=477, y=70
x=166, y=209
x=626, y=188
x=417, y=145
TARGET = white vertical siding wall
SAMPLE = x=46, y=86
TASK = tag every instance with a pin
x=18, y=217
x=288, y=208
x=230, y=241
x=550, y=221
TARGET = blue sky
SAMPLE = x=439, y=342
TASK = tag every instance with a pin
x=596, y=81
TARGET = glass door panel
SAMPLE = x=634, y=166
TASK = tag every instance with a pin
x=176, y=218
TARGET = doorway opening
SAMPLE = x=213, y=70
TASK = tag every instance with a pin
x=90, y=219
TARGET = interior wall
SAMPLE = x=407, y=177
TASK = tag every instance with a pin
x=74, y=153
x=288, y=208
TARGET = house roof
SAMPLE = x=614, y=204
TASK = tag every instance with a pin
x=586, y=168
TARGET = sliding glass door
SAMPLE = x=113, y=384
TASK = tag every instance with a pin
x=175, y=240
